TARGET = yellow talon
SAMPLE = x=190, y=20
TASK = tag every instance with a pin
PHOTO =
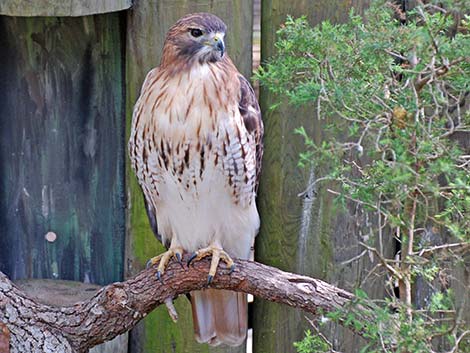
x=164, y=259
x=217, y=255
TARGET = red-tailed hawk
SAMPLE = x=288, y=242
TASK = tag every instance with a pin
x=196, y=149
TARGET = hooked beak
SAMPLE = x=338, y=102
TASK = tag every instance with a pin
x=218, y=44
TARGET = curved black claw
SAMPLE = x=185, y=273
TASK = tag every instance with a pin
x=231, y=269
x=209, y=279
x=193, y=256
x=178, y=258
x=159, y=276
x=149, y=263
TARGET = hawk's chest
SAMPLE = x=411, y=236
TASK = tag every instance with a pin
x=196, y=142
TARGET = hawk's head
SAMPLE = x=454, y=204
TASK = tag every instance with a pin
x=199, y=37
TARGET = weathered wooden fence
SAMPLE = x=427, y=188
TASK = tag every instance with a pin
x=62, y=203
x=70, y=207
x=305, y=235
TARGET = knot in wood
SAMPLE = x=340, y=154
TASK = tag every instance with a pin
x=116, y=296
x=305, y=284
x=307, y=288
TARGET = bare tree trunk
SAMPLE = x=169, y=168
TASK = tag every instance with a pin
x=116, y=308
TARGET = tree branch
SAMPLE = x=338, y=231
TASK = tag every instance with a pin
x=118, y=307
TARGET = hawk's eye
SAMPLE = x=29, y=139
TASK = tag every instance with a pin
x=195, y=32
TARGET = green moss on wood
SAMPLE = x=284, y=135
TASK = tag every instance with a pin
x=61, y=147
x=294, y=235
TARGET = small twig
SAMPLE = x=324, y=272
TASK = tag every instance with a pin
x=428, y=251
x=321, y=335
x=395, y=55
x=383, y=261
x=354, y=200
x=458, y=340
x=311, y=187
x=355, y=258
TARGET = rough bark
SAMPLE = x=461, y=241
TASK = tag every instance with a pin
x=116, y=308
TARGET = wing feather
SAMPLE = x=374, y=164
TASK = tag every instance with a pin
x=251, y=113
x=133, y=154
x=152, y=215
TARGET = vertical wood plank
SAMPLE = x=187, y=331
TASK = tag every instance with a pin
x=58, y=8
x=62, y=148
x=148, y=23
x=305, y=235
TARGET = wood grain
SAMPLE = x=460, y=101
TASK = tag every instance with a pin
x=62, y=204
x=116, y=308
x=61, y=7
x=306, y=234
